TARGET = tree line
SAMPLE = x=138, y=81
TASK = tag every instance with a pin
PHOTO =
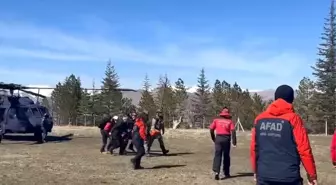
x=69, y=100
x=315, y=99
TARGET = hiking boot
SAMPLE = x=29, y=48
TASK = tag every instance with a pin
x=166, y=152
x=138, y=168
x=133, y=163
x=217, y=176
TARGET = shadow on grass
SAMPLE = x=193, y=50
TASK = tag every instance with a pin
x=240, y=175
x=170, y=154
x=49, y=139
x=166, y=166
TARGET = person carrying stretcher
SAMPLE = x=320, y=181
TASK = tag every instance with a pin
x=156, y=131
x=139, y=138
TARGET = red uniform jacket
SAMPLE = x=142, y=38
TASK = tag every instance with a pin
x=279, y=143
x=108, y=127
x=222, y=126
x=139, y=130
x=333, y=149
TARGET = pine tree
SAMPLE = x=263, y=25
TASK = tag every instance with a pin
x=201, y=101
x=66, y=99
x=181, y=99
x=165, y=100
x=127, y=105
x=218, y=98
x=258, y=105
x=235, y=101
x=85, y=103
x=227, y=93
x=325, y=71
x=110, y=96
x=304, y=104
x=147, y=101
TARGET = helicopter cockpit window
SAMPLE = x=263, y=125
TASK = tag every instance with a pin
x=22, y=113
x=35, y=112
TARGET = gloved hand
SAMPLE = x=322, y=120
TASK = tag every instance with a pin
x=311, y=181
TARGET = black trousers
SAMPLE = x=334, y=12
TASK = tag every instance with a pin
x=262, y=182
x=105, y=137
x=160, y=140
x=222, y=150
x=118, y=142
x=139, y=145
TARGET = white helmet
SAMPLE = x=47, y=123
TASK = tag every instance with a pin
x=115, y=117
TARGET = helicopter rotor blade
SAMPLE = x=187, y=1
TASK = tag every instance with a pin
x=33, y=93
x=13, y=86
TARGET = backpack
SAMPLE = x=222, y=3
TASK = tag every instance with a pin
x=103, y=123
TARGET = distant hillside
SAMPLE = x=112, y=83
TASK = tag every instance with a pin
x=135, y=96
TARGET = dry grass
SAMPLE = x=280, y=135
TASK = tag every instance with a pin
x=78, y=161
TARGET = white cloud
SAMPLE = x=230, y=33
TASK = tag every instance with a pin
x=58, y=45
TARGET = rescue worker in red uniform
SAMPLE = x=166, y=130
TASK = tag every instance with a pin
x=333, y=149
x=139, y=138
x=106, y=125
x=280, y=143
x=225, y=130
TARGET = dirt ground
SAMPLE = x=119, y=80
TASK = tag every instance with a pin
x=72, y=158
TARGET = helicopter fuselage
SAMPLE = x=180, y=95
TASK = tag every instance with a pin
x=22, y=116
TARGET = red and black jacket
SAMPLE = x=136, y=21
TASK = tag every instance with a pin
x=139, y=130
x=333, y=149
x=279, y=144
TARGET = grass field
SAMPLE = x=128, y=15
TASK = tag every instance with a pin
x=72, y=158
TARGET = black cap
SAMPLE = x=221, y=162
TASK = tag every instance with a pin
x=284, y=92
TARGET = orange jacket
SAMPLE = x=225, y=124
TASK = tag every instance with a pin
x=140, y=128
x=272, y=141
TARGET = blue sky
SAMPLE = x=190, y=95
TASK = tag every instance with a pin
x=260, y=44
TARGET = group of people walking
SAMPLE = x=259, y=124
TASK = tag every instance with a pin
x=279, y=144
x=279, y=141
x=133, y=130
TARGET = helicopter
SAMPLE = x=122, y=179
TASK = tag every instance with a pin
x=20, y=114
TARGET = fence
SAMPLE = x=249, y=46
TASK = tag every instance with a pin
x=81, y=120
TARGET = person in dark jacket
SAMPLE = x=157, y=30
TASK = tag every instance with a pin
x=130, y=125
x=105, y=127
x=280, y=143
x=118, y=134
x=139, y=138
x=156, y=131
x=225, y=130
